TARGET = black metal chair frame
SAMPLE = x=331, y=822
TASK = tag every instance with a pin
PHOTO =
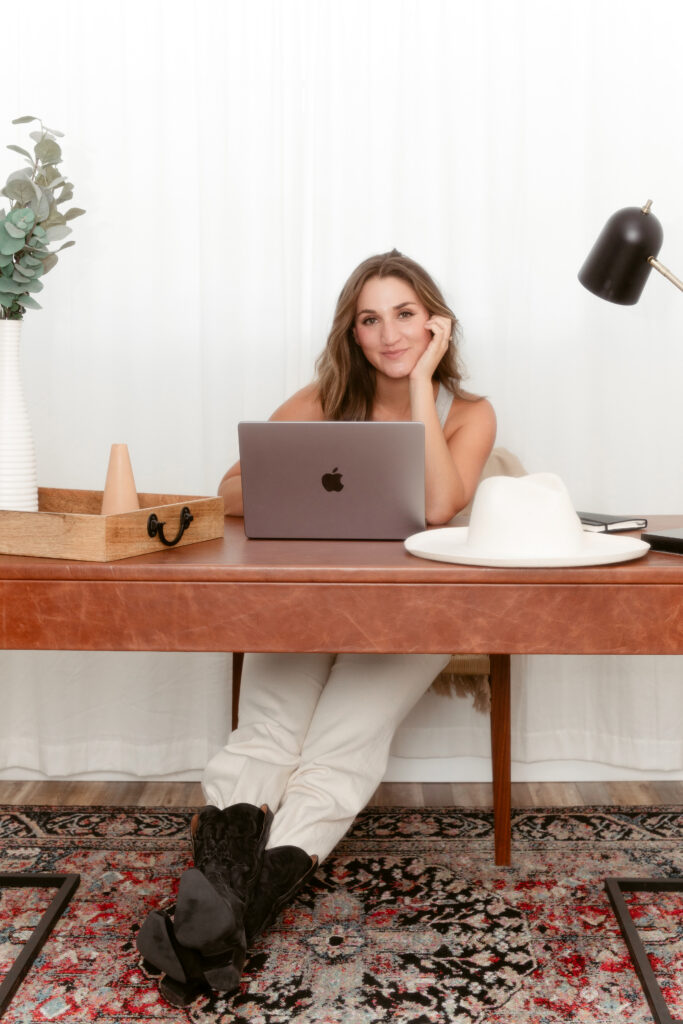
x=66, y=886
x=616, y=887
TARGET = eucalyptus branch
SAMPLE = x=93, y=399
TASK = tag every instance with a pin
x=30, y=226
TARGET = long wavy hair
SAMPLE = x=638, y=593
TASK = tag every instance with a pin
x=346, y=380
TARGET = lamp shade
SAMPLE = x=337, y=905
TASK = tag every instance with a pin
x=617, y=266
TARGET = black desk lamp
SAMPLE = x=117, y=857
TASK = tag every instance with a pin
x=616, y=269
x=620, y=262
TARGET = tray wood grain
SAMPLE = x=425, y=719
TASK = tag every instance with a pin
x=69, y=524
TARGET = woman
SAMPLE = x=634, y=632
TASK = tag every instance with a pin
x=315, y=729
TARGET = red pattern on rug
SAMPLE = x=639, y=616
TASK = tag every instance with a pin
x=409, y=920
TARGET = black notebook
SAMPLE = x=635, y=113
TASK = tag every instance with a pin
x=595, y=522
x=666, y=540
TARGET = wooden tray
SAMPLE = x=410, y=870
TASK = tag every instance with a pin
x=68, y=524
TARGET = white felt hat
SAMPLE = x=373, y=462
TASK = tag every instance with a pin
x=524, y=521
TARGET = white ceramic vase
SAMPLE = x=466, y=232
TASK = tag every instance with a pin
x=18, y=480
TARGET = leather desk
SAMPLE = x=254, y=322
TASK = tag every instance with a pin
x=236, y=594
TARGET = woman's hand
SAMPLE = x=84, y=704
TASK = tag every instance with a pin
x=441, y=328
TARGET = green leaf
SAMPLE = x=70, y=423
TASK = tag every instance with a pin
x=49, y=262
x=30, y=303
x=66, y=193
x=50, y=176
x=48, y=152
x=30, y=261
x=13, y=230
x=25, y=119
x=19, y=191
x=34, y=286
x=24, y=152
x=54, y=217
x=9, y=245
x=67, y=245
x=24, y=172
x=20, y=271
x=5, y=260
x=74, y=212
x=41, y=207
x=56, y=233
x=53, y=131
x=7, y=284
x=22, y=218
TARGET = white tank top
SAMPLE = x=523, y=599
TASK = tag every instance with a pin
x=444, y=401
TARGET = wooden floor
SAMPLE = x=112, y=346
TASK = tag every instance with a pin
x=404, y=794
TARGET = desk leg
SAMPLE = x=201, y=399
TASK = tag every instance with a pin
x=500, y=754
x=237, y=662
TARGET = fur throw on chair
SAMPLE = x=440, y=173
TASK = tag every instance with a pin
x=467, y=675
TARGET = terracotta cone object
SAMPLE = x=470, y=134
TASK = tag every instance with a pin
x=120, y=494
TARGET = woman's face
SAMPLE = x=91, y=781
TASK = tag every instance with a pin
x=390, y=325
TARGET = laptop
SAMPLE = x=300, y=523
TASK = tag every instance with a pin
x=332, y=480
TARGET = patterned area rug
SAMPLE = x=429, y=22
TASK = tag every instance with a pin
x=408, y=921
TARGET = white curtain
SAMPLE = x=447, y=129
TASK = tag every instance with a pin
x=237, y=158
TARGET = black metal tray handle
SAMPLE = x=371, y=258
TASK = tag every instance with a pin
x=156, y=528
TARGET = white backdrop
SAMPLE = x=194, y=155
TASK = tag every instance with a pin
x=237, y=158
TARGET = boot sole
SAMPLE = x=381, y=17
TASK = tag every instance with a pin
x=156, y=946
x=203, y=920
x=181, y=994
x=154, y=942
x=224, y=979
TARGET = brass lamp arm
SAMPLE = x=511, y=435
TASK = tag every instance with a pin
x=665, y=272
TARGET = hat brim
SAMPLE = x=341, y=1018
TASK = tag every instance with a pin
x=450, y=545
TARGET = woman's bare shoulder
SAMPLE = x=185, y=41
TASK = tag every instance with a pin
x=469, y=409
x=303, y=405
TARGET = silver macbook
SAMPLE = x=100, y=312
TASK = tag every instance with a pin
x=333, y=480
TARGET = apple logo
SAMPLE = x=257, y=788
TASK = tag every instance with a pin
x=332, y=481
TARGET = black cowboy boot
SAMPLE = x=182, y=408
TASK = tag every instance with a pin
x=284, y=871
x=188, y=974
x=212, y=896
x=184, y=980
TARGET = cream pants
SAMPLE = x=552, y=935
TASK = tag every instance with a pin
x=314, y=737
